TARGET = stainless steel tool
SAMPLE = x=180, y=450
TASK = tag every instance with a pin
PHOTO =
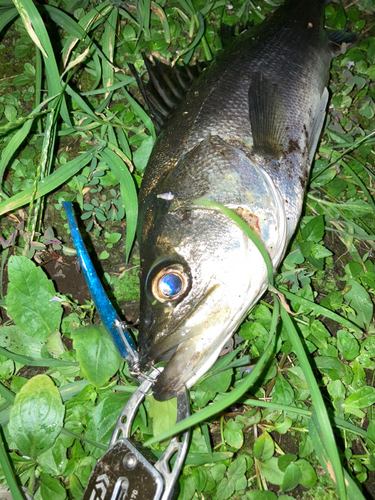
x=130, y=471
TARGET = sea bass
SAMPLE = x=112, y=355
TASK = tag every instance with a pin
x=243, y=137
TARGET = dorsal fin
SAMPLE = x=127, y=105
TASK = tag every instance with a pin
x=267, y=117
x=166, y=87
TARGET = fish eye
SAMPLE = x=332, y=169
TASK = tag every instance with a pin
x=170, y=283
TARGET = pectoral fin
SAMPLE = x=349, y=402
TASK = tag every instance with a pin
x=267, y=117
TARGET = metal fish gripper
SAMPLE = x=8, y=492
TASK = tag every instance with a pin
x=128, y=470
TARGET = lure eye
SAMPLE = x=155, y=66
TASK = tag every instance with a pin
x=169, y=284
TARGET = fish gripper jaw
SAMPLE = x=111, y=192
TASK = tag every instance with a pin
x=128, y=470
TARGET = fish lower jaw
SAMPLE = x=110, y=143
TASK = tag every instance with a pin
x=193, y=357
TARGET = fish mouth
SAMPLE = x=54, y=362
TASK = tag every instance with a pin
x=191, y=357
x=180, y=373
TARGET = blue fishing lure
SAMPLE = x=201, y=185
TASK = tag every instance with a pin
x=121, y=336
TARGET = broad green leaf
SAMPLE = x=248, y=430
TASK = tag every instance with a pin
x=285, y=460
x=360, y=301
x=225, y=489
x=201, y=398
x=371, y=430
x=271, y=471
x=96, y=353
x=200, y=478
x=14, y=339
x=75, y=487
x=187, y=488
x=284, y=426
x=314, y=229
x=240, y=483
x=340, y=19
x=219, y=382
x=218, y=472
x=29, y=299
x=233, y=434
x=163, y=414
x=102, y=420
x=54, y=344
x=361, y=398
x=142, y=154
x=347, y=345
x=305, y=446
x=359, y=375
x=330, y=366
x=264, y=447
x=36, y=418
x=336, y=389
x=260, y=495
x=54, y=460
x=308, y=478
x=237, y=468
x=51, y=487
x=283, y=392
x=291, y=478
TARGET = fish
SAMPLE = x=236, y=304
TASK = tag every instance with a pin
x=244, y=137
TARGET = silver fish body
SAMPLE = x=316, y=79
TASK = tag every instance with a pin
x=244, y=137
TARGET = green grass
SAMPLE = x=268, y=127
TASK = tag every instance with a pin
x=301, y=422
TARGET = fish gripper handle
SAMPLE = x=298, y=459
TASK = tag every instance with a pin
x=130, y=471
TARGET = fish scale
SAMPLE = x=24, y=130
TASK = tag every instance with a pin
x=243, y=137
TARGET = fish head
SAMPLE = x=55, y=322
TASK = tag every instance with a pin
x=200, y=275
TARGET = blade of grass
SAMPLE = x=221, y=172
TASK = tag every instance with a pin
x=366, y=237
x=317, y=309
x=359, y=181
x=45, y=158
x=8, y=472
x=7, y=16
x=316, y=432
x=245, y=228
x=143, y=8
x=227, y=399
x=124, y=81
x=48, y=184
x=337, y=156
x=196, y=40
x=30, y=361
x=109, y=38
x=64, y=21
x=141, y=113
x=34, y=24
x=155, y=7
x=89, y=21
x=128, y=193
x=338, y=422
x=6, y=394
x=336, y=471
x=18, y=138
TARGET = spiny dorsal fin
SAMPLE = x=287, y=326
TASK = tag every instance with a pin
x=166, y=87
x=267, y=117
